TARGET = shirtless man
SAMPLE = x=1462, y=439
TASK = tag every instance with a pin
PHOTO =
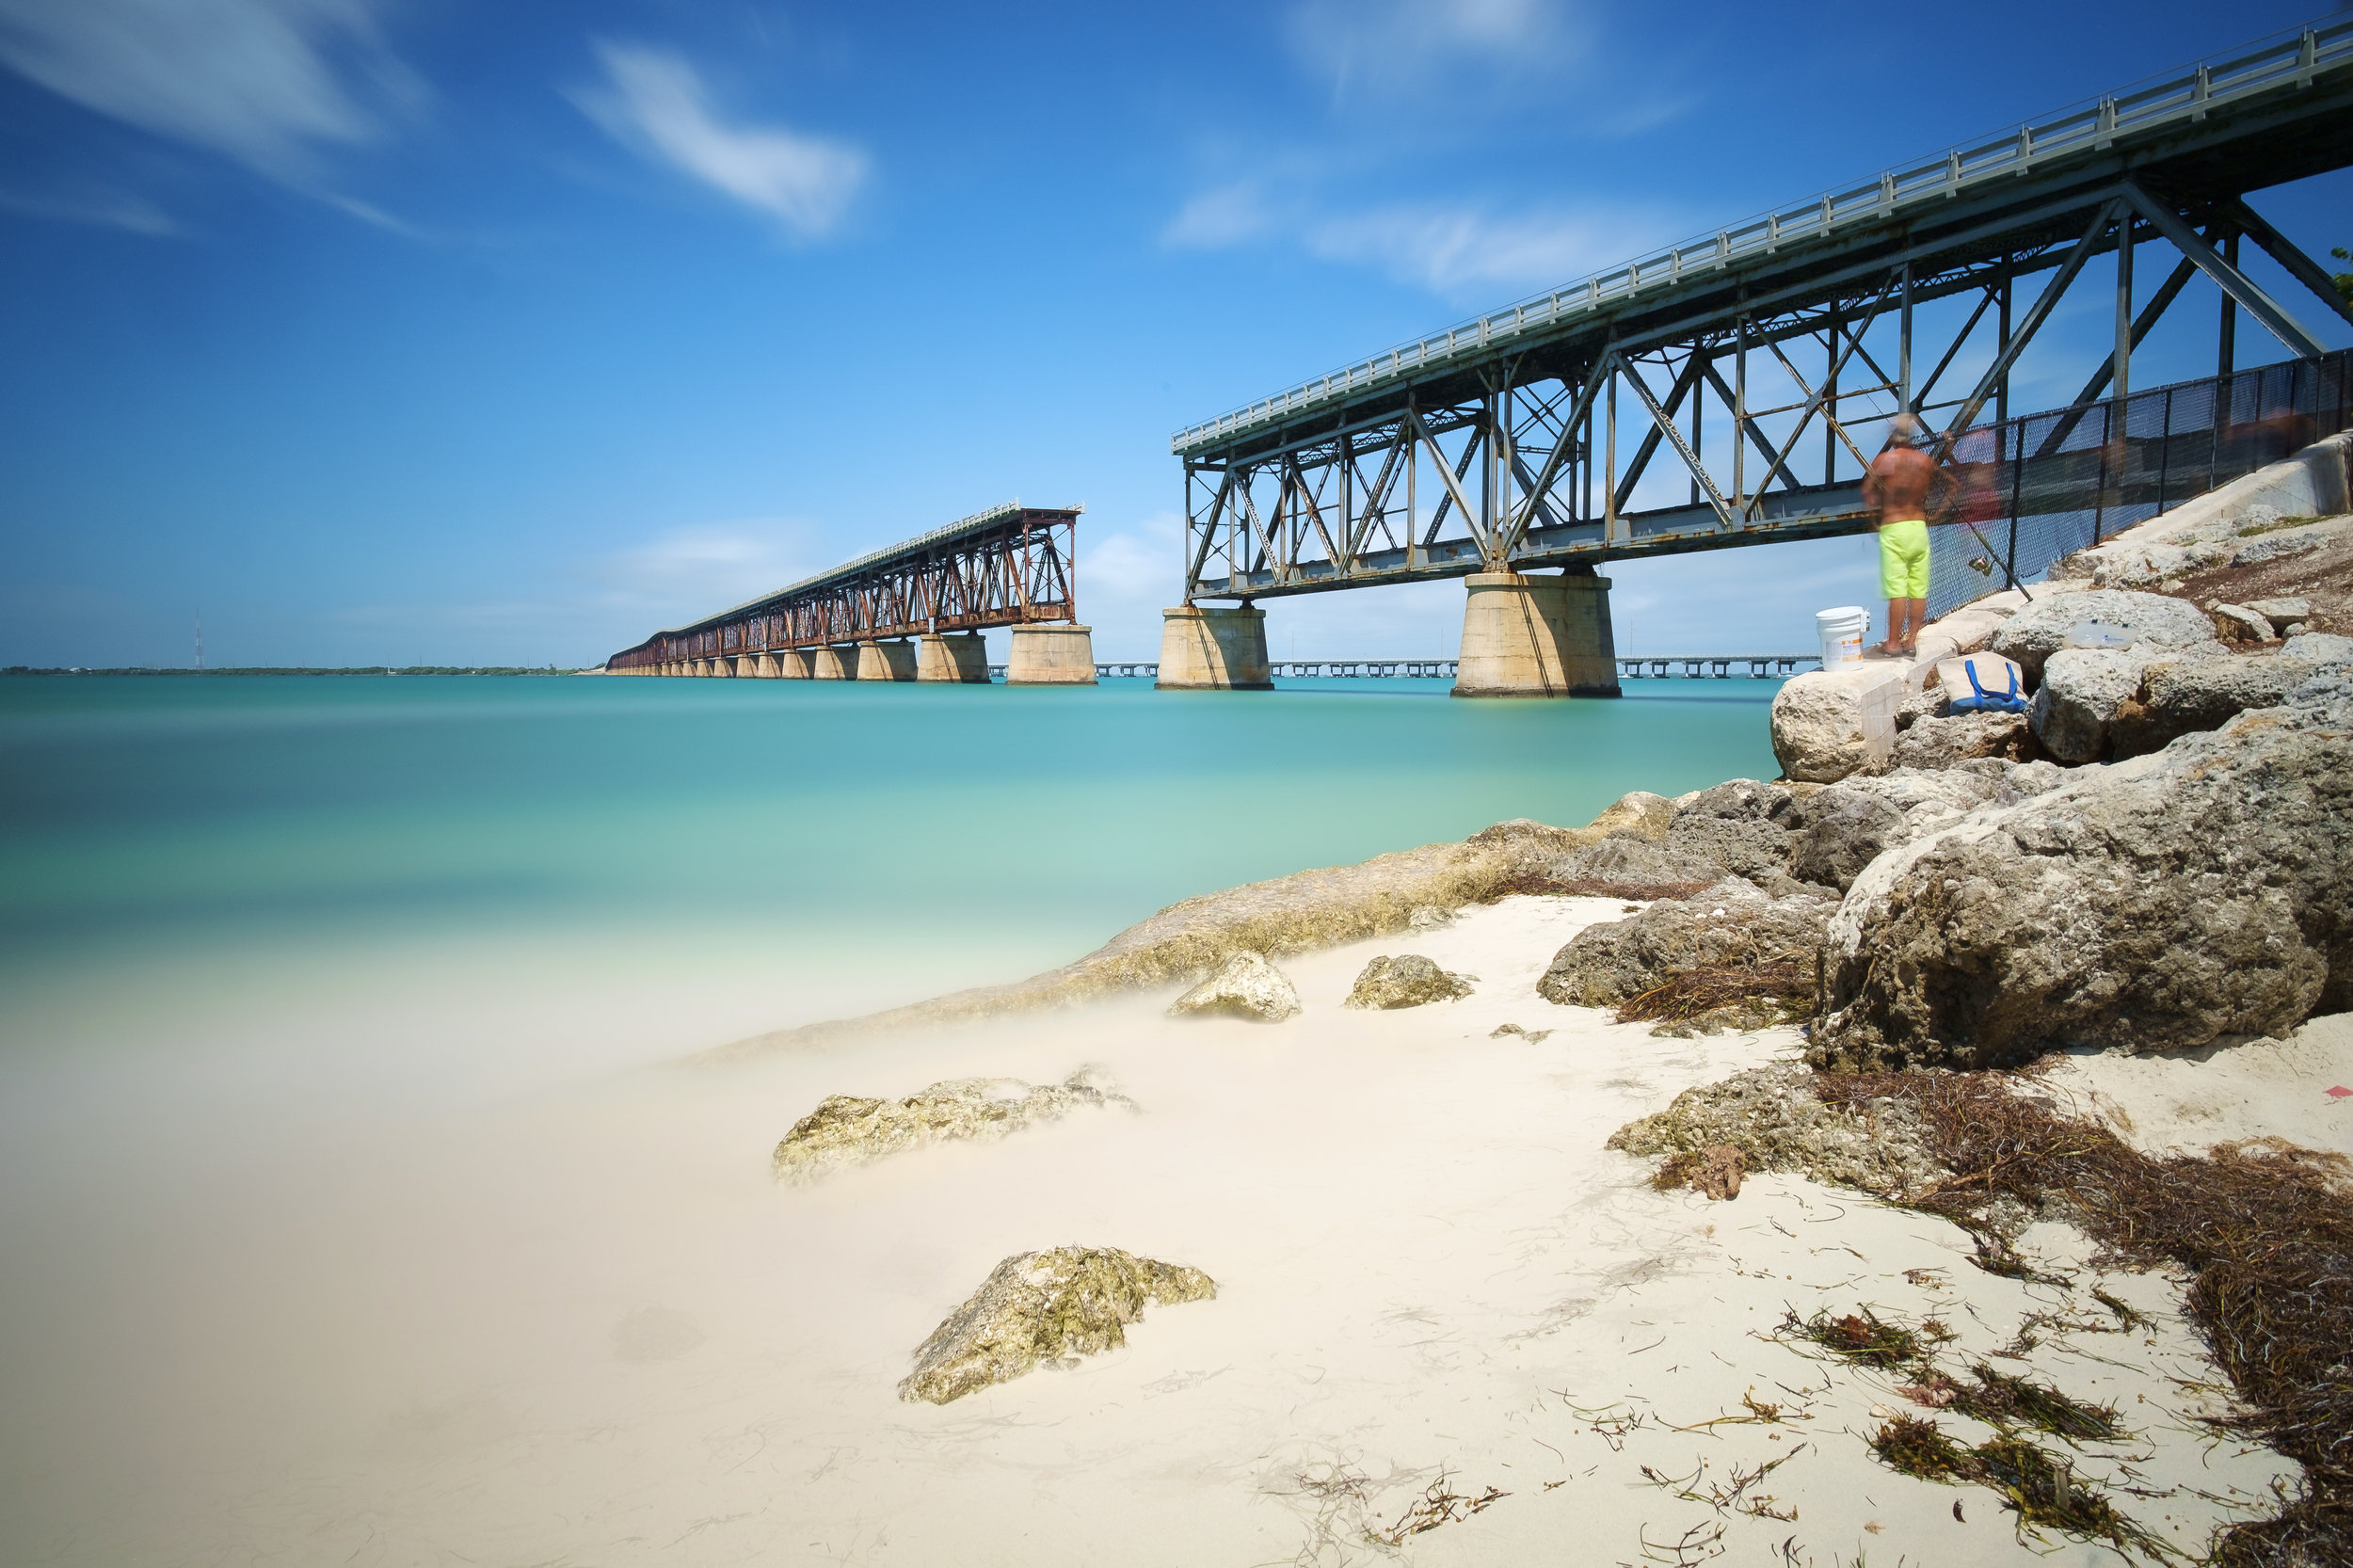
x=1896, y=490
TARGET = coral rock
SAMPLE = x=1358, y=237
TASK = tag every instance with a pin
x=846, y=1129
x=1043, y=1306
x=1408, y=980
x=1244, y=987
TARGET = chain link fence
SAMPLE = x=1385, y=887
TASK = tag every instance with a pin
x=2038, y=487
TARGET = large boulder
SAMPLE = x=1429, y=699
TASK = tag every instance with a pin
x=2115, y=616
x=1244, y=987
x=1932, y=742
x=1845, y=831
x=1823, y=722
x=1408, y=980
x=2182, y=696
x=2084, y=690
x=1729, y=927
x=1742, y=826
x=2194, y=894
x=1045, y=1306
x=848, y=1130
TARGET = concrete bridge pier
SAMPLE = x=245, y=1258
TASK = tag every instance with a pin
x=835, y=663
x=1207, y=649
x=886, y=661
x=959, y=656
x=793, y=663
x=1053, y=653
x=723, y=665
x=1537, y=636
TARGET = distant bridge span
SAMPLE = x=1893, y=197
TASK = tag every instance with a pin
x=1010, y=565
x=1762, y=356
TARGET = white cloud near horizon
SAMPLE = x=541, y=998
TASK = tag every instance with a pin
x=263, y=82
x=654, y=102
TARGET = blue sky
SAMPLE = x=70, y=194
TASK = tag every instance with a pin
x=414, y=332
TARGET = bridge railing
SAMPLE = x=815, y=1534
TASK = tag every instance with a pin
x=2034, y=490
x=2280, y=64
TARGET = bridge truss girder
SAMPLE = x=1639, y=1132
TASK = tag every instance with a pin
x=1016, y=569
x=1522, y=460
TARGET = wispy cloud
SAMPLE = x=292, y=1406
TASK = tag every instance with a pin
x=1371, y=50
x=103, y=209
x=264, y=82
x=1454, y=249
x=654, y=102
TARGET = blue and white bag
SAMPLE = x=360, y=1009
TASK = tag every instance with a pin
x=1982, y=683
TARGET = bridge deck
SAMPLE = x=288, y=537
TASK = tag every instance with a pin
x=1009, y=566
x=1497, y=444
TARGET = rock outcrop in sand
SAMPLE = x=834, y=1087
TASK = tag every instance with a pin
x=847, y=1130
x=1244, y=987
x=1777, y=1122
x=1291, y=914
x=1408, y=980
x=2195, y=894
x=1730, y=926
x=1044, y=1307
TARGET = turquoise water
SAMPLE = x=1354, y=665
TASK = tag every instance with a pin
x=246, y=825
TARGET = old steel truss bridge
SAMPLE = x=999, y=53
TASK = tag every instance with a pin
x=1758, y=358
x=1009, y=566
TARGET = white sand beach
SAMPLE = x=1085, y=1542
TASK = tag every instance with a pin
x=582, y=1325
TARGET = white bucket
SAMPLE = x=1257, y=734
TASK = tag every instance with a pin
x=1842, y=631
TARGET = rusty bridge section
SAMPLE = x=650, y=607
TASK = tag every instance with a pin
x=1754, y=366
x=1010, y=566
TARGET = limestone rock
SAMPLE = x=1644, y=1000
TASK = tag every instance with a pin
x=2237, y=623
x=1428, y=917
x=2044, y=627
x=1408, y=980
x=1939, y=742
x=847, y=1130
x=1636, y=814
x=2144, y=565
x=1772, y=1117
x=2282, y=612
x=1731, y=925
x=2277, y=547
x=1845, y=831
x=2181, y=697
x=1245, y=986
x=1533, y=1036
x=1742, y=826
x=1818, y=722
x=1622, y=866
x=2319, y=648
x=2195, y=894
x=2083, y=691
x=1043, y=1306
x=1718, y=1173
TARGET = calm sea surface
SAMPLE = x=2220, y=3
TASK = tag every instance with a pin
x=176, y=844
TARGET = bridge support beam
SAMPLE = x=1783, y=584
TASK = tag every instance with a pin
x=835, y=663
x=1059, y=653
x=1537, y=636
x=956, y=656
x=1208, y=649
x=886, y=661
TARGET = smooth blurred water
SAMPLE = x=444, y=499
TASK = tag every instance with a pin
x=247, y=825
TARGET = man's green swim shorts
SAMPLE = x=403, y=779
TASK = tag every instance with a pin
x=1904, y=559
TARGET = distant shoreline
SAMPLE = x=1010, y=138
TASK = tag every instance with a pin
x=379, y=671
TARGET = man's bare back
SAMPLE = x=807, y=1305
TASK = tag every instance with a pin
x=1896, y=489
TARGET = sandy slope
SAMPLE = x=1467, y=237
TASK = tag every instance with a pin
x=586, y=1329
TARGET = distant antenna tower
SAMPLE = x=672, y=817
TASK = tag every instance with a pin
x=200, y=639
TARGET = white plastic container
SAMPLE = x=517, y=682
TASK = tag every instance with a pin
x=1842, y=631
